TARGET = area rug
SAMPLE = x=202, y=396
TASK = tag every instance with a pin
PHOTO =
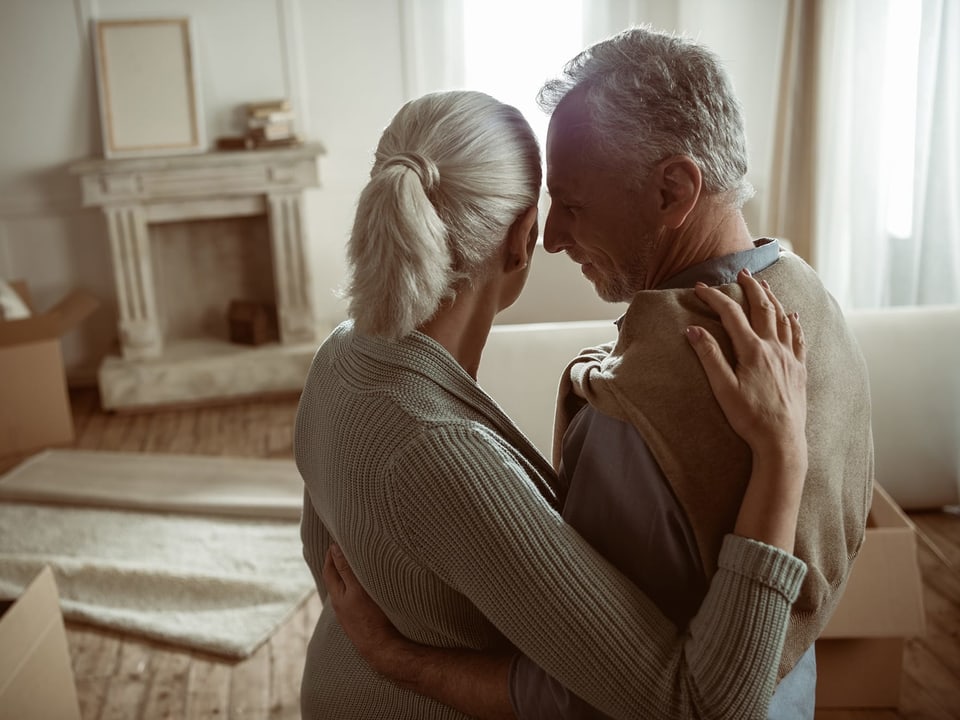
x=221, y=583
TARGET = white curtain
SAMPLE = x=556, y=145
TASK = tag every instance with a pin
x=887, y=182
x=435, y=37
x=432, y=44
x=789, y=207
x=602, y=18
x=934, y=263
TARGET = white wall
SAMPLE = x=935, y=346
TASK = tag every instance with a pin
x=341, y=61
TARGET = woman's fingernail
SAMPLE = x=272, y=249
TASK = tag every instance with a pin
x=693, y=333
x=700, y=284
x=746, y=272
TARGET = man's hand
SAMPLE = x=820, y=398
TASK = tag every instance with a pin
x=473, y=682
x=367, y=626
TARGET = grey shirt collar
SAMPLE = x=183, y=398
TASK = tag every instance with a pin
x=723, y=270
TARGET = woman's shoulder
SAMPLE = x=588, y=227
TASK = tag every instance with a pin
x=463, y=454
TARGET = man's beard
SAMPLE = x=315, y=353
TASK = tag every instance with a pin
x=617, y=289
x=622, y=286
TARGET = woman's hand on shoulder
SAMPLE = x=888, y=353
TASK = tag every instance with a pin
x=763, y=393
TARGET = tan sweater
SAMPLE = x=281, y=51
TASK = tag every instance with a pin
x=652, y=379
x=448, y=515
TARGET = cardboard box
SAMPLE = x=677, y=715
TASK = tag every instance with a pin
x=860, y=652
x=36, y=678
x=35, y=411
x=252, y=323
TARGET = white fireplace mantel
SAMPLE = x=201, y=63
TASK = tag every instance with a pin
x=136, y=193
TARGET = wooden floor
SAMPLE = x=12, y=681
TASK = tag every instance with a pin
x=122, y=677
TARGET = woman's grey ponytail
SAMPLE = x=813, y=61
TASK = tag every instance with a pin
x=398, y=249
x=452, y=172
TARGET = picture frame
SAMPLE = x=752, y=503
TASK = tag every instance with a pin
x=148, y=88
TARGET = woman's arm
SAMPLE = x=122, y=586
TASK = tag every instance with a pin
x=764, y=399
x=742, y=622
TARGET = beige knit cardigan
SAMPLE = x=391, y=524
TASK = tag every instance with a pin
x=449, y=517
x=652, y=379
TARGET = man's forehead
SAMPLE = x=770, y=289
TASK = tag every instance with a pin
x=571, y=116
x=567, y=137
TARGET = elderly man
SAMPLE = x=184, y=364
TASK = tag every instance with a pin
x=646, y=165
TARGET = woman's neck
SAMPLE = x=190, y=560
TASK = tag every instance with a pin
x=462, y=326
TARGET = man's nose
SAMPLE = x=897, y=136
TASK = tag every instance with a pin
x=555, y=236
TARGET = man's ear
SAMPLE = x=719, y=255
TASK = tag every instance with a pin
x=521, y=239
x=680, y=183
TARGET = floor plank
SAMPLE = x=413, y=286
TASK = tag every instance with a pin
x=167, y=690
x=126, y=691
x=250, y=687
x=208, y=689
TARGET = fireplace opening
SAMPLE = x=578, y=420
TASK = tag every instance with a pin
x=201, y=266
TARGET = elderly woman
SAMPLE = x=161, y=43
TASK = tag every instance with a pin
x=446, y=512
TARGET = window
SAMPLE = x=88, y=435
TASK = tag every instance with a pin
x=899, y=116
x=887, y=192
x=508, y=53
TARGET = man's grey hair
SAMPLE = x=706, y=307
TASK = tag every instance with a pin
x=651, y=95
x=452, y=172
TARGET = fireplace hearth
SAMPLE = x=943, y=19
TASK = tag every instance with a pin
x=188, y=236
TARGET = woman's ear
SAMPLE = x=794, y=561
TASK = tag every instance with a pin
x=521, y=240
x=680, y=183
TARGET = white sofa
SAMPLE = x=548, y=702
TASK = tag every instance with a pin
x=913, y=356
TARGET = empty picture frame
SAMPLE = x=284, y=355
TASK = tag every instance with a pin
x=147, y=83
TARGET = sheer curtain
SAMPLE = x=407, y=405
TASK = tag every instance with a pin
x=933, y=264
x=432, y=44
x=509, y=47
x=789, y=211
x=868, y=164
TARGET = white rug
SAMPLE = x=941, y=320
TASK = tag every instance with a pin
x=217, y=583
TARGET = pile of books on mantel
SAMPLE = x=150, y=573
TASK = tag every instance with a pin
x=270, y=124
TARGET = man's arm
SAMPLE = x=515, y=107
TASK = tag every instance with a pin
x=472, y=682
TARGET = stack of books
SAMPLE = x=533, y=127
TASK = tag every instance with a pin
x=269, y=124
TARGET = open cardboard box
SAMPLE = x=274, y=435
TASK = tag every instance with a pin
x=860, y=652
x=36, y=678
x=36, y=407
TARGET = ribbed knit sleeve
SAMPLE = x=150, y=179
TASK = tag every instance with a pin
x=461, y=506
x=316, y=539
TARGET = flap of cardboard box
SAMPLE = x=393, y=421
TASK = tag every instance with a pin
x=62, y=317
x=27, y=618
x=884, y=594
x=36, y=677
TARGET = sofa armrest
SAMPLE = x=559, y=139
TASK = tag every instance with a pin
x=522, y=365
x=913, y=357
